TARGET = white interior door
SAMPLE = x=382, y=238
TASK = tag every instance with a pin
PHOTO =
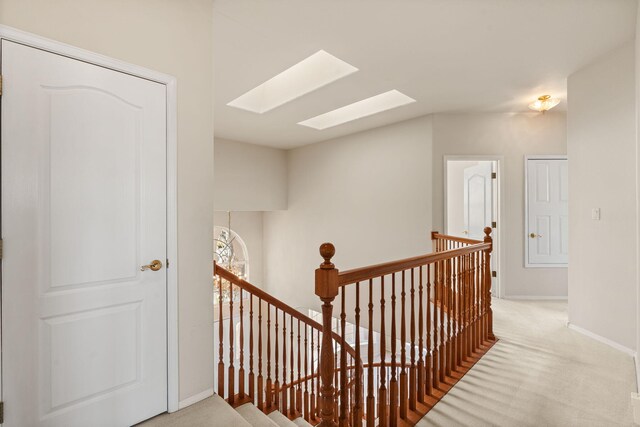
x=547, y=231
x=478, y=199
x=83, y=207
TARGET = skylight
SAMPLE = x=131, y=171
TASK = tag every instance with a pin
x=367, y=107
x=308, y=75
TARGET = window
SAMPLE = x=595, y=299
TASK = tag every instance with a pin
x=231, y=254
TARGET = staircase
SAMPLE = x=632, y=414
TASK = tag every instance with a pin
x=394, y=339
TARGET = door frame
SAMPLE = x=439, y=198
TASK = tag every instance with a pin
x=527, y=264
x=498, y=237
x=170, y=83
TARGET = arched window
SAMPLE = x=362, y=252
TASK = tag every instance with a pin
x=230, y=253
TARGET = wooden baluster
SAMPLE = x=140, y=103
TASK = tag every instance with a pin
x=473, y=314
x=393, y=384
x=357, y=406
x=448, y=293
x=251, y=375
x=412, y=368
x=403, y=352
x=269, y=396
x=488, y=239
x=260, y=378
x=292, y=389
x=428, y=359
x=477, y=296
x=465, y=291
x=382, y=392
x=343, y=360
x=318, y=383
x=306, y=412
x=457, y=304
x=326, y=287
x=313, y=396
x=336, y=383
x=299, y=385
x=241, y=341
x=231, y=381
x=420, y=364
x=371, y=411
x=276, y=383
x=221, y=342
x=441, y=293
x=283, y=399
x=435, y=359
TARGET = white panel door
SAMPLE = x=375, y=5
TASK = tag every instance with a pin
x=547, y=230
x=83, y=207
x=478, y=199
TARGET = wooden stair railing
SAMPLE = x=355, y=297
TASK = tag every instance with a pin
x=283, y=346
x=449, y=329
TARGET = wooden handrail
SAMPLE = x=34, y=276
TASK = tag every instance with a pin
x=365, y=273
x=453, y=290
x=269, y=299
x=437, y=236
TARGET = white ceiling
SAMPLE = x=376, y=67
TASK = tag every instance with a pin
x=449, y=55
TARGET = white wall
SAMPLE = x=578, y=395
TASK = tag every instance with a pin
x=602, y=173
x=249, y=177
x=175, y=38
x=367, y=193
x=513, y=136
x=248, y=225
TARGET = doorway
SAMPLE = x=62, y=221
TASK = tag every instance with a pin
x=472, y=202
x=89, y=308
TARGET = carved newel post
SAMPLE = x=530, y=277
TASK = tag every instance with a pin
x=487, y=258
x=327, y=290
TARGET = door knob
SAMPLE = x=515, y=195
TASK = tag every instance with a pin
x=155, y=265
x=534, y=235
x=465, y=232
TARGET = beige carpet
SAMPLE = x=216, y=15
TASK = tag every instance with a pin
x=540, y=373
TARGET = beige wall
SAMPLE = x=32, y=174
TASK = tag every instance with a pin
x=173, y=37
x=602, y=174
x=512, y=136
x=368, y=193
x=249, y=177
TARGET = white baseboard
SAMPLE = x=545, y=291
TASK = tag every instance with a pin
x=535, y=298
x=195, y=398
x=603, y=340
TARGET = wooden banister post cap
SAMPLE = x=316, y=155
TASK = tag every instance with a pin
x=487, y=231
x=327, y=251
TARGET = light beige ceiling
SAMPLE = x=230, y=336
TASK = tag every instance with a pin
x=449, y=55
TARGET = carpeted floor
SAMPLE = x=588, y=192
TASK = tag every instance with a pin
x=540, y=373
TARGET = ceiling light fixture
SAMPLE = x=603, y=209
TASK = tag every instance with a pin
x=310, y=74
x=364, y=108
x=544, y=103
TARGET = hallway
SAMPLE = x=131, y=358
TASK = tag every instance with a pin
x=540, y=373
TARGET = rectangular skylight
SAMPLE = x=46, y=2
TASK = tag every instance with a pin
x=367, y=107
x=308, y=75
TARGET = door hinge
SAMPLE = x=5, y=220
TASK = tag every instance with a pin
x=494, y=274
x=494, y=224
x=494, y=175
x=1, y=248
x=167, y=263
x=0, y=84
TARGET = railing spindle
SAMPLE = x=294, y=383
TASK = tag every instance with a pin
x=260, y=378
x=241, y=342
x=221, y=343
x=371, y=411
x=403, y=351
x=251, y=374
x=231, y=375
x=382, y=392
x=412, y=331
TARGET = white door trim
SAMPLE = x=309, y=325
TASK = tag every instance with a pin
x=500, y=292
x=526, y=206
x=170, y=83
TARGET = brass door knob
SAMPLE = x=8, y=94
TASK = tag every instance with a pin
x=155, y=265
x=465, y=232
x=534, y=235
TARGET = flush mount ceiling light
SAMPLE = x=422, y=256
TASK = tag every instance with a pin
x=544, y=103
x=310, y=74
x=367, y=107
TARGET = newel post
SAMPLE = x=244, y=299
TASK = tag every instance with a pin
x=327, y=290
x=487, y=275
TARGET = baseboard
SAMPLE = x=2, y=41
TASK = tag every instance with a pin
x=195, y=398
x=535, y=298
x=603, y=340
